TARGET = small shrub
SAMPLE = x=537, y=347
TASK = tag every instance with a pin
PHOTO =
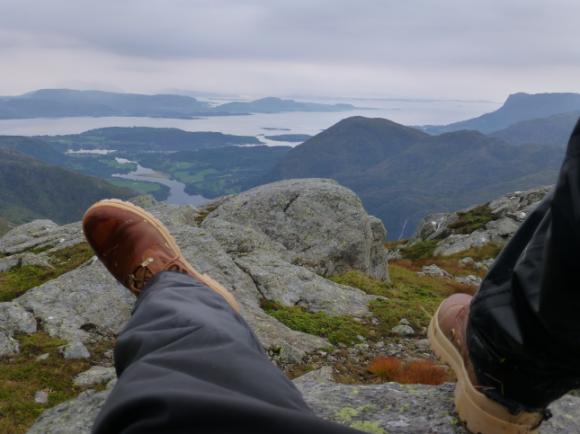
x=414, y=372
x=419, y=249
x=386, y=368
x=472, y=220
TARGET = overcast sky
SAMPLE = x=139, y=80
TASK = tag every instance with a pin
x=468, y=49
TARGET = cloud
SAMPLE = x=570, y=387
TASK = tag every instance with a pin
x=328, y=45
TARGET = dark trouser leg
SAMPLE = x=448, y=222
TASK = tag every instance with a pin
x=524, y=328
x=187, y=363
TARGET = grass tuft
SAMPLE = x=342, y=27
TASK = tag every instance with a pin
x=22, y=376
x=472, y=220
x=337, y=329
x=18, y=280
x=419, y=249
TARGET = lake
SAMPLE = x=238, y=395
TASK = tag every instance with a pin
x=405, y=112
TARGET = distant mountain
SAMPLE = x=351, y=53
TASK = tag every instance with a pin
x=147, y=139
x=277, y=105
x=402, y=173
x=33, y=147
x=30, y=189
x=517, y=108
x=54, y=103
x=554, y=130
x=57, y=103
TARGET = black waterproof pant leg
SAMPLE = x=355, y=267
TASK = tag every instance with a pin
x=188, y=363
x=524, y=328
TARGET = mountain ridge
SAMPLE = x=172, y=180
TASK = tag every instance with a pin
x=518, y=107
x=401, y=174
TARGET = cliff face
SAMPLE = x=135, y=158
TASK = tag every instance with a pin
x=290, y=251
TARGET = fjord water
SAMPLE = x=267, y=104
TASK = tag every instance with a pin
x=408, y=112
x=177, y=194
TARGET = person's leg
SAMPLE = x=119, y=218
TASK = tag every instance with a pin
x=524, y=325
x=516, y=345
x=187, y=361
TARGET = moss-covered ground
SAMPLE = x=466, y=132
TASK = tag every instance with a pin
x=18, y=280
x=472, y=220
x=408, y=295
x=23, y=375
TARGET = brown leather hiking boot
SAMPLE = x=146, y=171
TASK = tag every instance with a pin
x=447, y=336
x=135, y=246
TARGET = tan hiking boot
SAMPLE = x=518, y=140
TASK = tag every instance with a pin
x=135, y=246
x=447, y=335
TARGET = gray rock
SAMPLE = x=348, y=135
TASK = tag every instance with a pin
x=508, y=212
x=72, y=417
x=8, y=345
x=466, y=262
x=323, y=223
x=208, y=256
x=407, y=409
x=434, y=271
x=41, y=397
x=40, y=234
x=10, y=262
x=85, y=302
x=15, y=319
x=502, y=228
x=403, y=330
x=291, y=285
x=383, y=408
x=436, y=226
x=75, y=350
x=469, y=280
x=95, y=375
x=23, y=234
x=484, y=265
x=458, y=243
x=423, y=344
x=42, y=357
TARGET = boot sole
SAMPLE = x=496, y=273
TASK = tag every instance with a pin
x=204, y=278
x=479, y=413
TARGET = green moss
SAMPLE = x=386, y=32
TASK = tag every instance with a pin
x=158, y=191
x=472, y=220
x=419, y=250
x=346, y=414
x=22, y=376
x=369, y=427
x=337, y=329
x=362, y=281
x=488, y=251
x=18, y=280
x=409, y=296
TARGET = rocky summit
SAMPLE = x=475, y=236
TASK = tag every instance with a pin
x=491, y=223
x=309, y=267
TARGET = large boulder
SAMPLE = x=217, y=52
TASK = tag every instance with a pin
x=40, y=234
x=377, y=409
x=500, y=219
x=323, y=225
